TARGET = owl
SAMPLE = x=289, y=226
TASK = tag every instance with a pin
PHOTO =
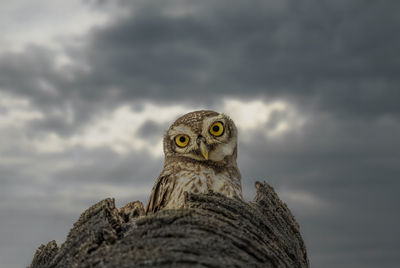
x=200, y=155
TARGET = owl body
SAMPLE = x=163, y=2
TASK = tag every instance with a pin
x=199, y=178
x=200, y=155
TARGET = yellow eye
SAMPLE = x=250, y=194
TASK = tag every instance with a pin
x=182, y=140
x=217, y=129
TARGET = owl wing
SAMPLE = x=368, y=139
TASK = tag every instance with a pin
x=160, y=193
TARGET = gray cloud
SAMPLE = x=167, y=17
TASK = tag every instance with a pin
x=341, y=53
x=152, y=130
x=351, y=167
x=336, y=60
x=22, y=230
x=95, y=166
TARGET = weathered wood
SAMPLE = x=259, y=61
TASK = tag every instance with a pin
x=211, y=231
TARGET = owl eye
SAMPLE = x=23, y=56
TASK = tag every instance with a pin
x=217, y=129
x=182, y=140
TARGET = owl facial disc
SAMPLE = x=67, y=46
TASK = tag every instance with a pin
x=205, y=136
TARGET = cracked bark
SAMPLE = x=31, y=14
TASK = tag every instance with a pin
x=211, y=231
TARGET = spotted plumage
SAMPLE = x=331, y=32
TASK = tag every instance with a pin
x=200, y=155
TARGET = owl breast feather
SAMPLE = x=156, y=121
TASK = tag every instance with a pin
x=202, y=182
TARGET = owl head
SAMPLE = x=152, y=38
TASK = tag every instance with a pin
x=205, y=136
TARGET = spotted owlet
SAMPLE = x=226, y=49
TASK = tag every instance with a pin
x=200, y=155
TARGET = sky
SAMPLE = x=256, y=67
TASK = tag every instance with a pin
x=89, y=87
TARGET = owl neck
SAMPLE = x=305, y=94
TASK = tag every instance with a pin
x=228, y=163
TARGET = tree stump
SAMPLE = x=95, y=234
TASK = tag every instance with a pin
x=210, y=231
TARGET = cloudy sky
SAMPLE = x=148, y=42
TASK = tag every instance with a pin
x=88, y=87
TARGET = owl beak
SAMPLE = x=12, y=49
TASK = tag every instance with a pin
x=203, y=149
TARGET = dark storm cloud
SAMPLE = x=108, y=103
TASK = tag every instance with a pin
x=351, y=167
x=338, y=60
x=152, y=130
x=95, y=167
x=22, y=73
x=342, y=54
x=25, y=229
x=338, y=56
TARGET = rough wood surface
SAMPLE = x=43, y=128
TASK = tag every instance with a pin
x=211, y=231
